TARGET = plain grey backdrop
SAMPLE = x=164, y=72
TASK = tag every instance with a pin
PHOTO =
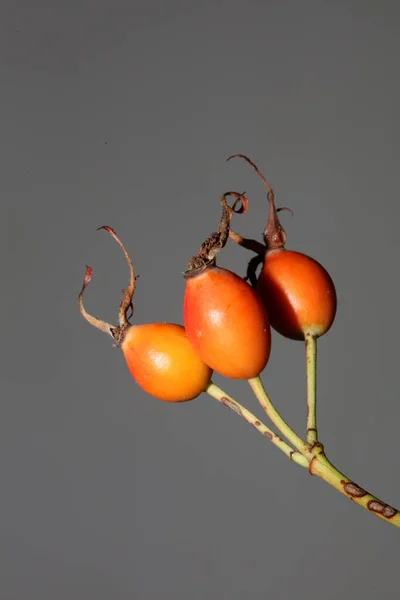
x=123, y=113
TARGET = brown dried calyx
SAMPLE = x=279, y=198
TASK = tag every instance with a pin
x=116, y=331
x=274, y=234
x=217, y=240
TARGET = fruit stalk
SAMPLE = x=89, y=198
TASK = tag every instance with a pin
x=215, y=392
x=311, y=363
x=263, y=398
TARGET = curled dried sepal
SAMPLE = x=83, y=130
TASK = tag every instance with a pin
x=116, y=331
x=240, y=198
x=257, y=170
x=217, y=240
x=126, y=303
x=285, y=208
x=274, y=234
x=98, y=323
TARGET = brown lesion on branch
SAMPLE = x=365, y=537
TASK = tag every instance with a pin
x=381, y=508
x=320, y=466
x=374, y=505
x=353, y=490
x=232, y=405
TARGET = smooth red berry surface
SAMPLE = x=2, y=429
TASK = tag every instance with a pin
x=298, y=293
x=164, y=363
x=227, y=324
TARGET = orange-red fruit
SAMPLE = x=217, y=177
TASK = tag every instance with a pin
x=298, y=293
x=227, y=323
x=164, y=363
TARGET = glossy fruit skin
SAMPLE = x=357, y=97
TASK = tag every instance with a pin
x=227, y=323
x=164, y=363
x=298, y=293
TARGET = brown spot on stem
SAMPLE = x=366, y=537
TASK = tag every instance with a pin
x=389, y=512
x=376, y=506
x=230, y=404
x=257, y=423
x=268, y=435
x=352, y=489
x=379, y=507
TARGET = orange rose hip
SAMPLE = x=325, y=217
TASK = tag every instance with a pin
x=159, y=355
x=163, y=362
x=225, y=319
x=297, y=291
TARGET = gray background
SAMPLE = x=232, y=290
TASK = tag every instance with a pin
x=122, y=113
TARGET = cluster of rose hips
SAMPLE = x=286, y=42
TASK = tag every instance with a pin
x=226, y=329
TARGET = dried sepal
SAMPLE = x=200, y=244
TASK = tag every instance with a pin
x=217, y=240
x=116, y=331
x=127, y=302
x=98, y=323
x=274, y=234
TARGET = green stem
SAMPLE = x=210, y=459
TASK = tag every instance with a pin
x=285, y=429
x=242, y=411
x=312, y=457
x=311, y=360
x=323, y=468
